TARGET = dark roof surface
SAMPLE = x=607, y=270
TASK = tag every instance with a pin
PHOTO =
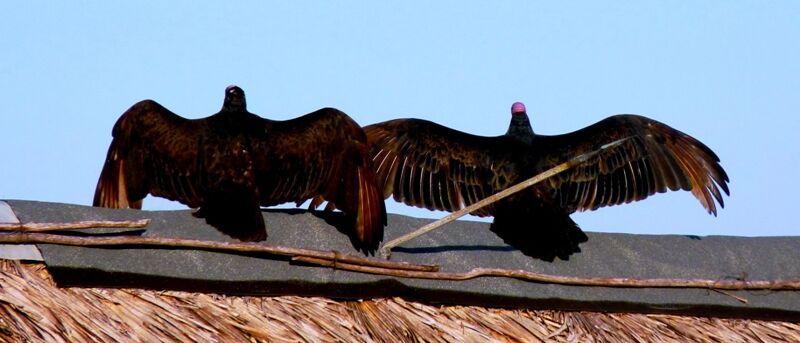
x=458, y=247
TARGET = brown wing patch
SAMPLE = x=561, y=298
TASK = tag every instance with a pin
x=153, y=151
x=649, y=157
x=112, y=190
x=323, y=156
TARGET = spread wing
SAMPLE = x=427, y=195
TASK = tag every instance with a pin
x=322, y=156
x=425, y=164
x=153, y=151
x=638, y=157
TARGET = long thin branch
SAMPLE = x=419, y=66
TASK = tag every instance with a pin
x=386, y=250
x=88, y=224
x=732, y=285
x=44, y=238
x=398, y=269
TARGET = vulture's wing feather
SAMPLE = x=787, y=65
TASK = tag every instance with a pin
x=638, y=157
x=428, y=165
x=322, y=156
x=153, y=151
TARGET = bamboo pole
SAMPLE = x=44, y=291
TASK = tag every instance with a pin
x=87, y=224
x=333, y=256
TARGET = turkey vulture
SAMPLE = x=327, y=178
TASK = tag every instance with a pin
x=229, y=164
x=425, y=164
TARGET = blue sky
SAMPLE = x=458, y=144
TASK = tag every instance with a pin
x=725, y=72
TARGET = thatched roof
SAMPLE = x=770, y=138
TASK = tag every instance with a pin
x=33, y=309
x=131, y=293
x=460, y=247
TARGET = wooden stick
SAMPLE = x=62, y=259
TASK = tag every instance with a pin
x=731, y=285
x=386, y=250
x=45, y=238
x=88, y=224
x=397, y=269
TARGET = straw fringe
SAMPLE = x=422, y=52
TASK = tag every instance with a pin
x=32, y=309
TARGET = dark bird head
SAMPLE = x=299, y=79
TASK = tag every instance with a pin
x=234, y=100
x=520, y=126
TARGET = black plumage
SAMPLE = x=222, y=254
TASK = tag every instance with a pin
x=229, y=164
x=424, y=164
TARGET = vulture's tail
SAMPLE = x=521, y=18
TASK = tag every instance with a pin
x=234, y=212
x=538, y=230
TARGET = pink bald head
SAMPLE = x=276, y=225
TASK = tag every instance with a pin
x=518, y=107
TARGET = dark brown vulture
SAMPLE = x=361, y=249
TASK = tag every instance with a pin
x=233, y=162
x=428, y=165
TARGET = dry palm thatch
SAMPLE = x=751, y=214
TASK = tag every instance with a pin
x=33, y=309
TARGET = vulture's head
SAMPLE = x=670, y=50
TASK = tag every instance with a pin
x=517, y=109
x=520, y=126
x=234, y=99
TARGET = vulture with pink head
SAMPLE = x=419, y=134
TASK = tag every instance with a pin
x=629, y=157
